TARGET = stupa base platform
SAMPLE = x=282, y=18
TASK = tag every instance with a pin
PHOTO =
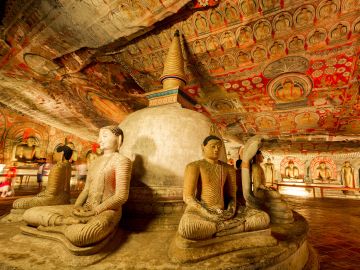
x=149, y=250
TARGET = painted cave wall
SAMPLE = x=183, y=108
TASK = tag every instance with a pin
x=15, y=128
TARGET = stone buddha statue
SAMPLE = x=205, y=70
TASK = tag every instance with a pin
x=269, y=171
x=291, y=171
x=210, y=197
x=97, y=211
x=28, y=151
x=347, y=174
x=323, y=172
x=57, y=190
x=258, y=176
x=255, y=192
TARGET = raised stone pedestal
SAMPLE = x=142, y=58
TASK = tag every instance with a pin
x=149, y=250
x=184, y=251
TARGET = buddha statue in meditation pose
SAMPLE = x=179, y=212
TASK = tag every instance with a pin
x=258, y=176
x=98, y=208
x=57, y=190
x=258, y=194
x=210, y=197
x=291, y=171
x=28, y=151
x=323, y=172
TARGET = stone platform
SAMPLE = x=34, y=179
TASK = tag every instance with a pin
x=149, y=250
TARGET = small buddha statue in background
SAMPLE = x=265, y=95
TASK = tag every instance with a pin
x=28, y=151
x=210, y=197
x=57, y=190
x=269, y=172
x=323, y=172
x=291, y=171
x=347, y=174
x=97, y=210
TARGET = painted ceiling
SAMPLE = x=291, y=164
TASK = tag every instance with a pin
x=286, y=69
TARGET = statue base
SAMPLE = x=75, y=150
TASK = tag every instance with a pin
x=184, y=251
x=146, y=249
x=78, y=251
x=15, y=215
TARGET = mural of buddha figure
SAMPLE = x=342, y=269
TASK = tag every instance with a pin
x=323, y=172
x=328, y=9
x=263, y=31
x=283, y=23
x=231, y=13
x=317, y=37
x=339, y=32
x=291, y=171
x=97, y=210
x=304, y=17
x=28, y=151
x=289, y=91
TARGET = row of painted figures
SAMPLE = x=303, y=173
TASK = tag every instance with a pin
x=212, y=211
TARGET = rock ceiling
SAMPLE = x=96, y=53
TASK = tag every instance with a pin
x=287, y=69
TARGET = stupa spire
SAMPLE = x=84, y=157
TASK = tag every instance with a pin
x=173, y=75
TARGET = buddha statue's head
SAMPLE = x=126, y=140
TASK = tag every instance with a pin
x=67, y=151
x=322, y=165
x=31, y=141
x=211, y=147
x=291, y=164
x=347, y=164
x=110, y=138
x=269, y=160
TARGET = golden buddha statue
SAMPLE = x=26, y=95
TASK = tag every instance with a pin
x=291, y=171
x=57, y=190
x=28, y=151
x=347, y=175
x=210, y=197
x=323, y=172
x=98, y=208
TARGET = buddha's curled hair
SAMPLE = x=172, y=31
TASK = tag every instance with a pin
x=67, y=151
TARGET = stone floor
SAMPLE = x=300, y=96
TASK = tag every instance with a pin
x=334, y=228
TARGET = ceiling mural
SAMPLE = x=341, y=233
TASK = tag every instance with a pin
x=282, y=68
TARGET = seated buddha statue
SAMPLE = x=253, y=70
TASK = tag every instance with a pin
x=28, y=151
x=291, y=171
x=57, y=190
x=323, y=172
x=255, y=191
x=258, y=176
x=97, y=211
x=210, y=198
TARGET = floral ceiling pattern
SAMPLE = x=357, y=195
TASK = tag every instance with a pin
x=286, y=69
